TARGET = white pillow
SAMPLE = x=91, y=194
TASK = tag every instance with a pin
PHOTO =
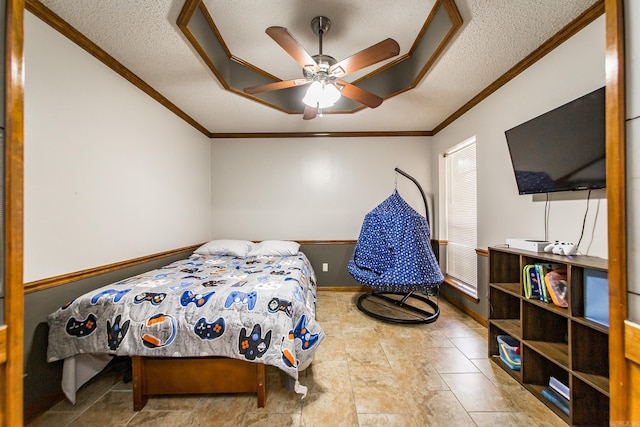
x=275, y=248
x=226, y=247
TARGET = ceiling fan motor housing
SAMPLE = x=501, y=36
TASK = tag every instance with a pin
x=324, y=62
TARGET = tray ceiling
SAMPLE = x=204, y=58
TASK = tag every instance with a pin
x=145, y=38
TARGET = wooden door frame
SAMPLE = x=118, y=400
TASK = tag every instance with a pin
x=619, y=387
x=11, y=404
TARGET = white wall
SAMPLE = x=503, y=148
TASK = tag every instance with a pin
x=570, y=71
x=310, y=189
x=110, y=174
x=632, y=56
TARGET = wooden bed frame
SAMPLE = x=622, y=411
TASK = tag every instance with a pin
x=197, y=375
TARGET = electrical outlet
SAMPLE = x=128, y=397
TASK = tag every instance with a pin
x=325, y=266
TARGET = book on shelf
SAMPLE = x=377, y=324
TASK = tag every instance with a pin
x=556, y=399
x=546, y=282
x=531, y=282
x=558, y=386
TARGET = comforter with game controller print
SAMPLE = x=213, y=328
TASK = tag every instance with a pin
x=260, y=309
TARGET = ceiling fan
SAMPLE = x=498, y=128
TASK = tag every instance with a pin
x=324, y=73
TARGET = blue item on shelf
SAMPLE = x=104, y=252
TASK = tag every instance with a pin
x=509, y=348
x=596, y=296
x=560, y=402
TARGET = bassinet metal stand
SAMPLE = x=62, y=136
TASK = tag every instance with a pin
x=398, y=307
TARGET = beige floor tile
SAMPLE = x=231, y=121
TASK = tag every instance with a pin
x=380, y=399
x=369, y=370
x=164, y=418
x=329, y=410
x=113, y=409
x=439, y=408
x=417, y=376
x=279, y=400
x=476, y=393
x=264, y=420
x=332, y=348
x=472, y=347
x=329, y=375
x=447, y=360
x=386, y=420
x=499, y=419
x=171, y=403
x=49, y=419
x=222, y=410
x=365, y=373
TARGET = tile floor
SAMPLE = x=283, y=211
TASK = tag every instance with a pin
x=365, y=373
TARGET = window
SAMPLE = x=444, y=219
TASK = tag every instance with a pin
x=460, y=216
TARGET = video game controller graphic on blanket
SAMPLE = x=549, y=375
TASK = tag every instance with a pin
x=155, y=298
x=209, y=331
x=277, y=304
x=116, y=294
x=81, y=328
x=303, y=334
x=116, y=332
x=253, y=345
x=198, y=299
x=237, y=297
x=561, y=248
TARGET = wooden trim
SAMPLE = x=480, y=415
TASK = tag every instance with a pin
x=57, y=23
x=461, y=288
x=563, y=35
x=616, y=209
x=3, y=344
x=482, y=252
x=45, y=14
x=319, y=134
x=343, y=288
x=632, y=338
x=11, y=402
x=51, y=282
x=475, y=316
x=326, y=242
x=456, y=22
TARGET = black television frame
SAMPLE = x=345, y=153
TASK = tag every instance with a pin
x=563, y=149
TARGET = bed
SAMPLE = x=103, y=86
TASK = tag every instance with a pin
x=206, y=324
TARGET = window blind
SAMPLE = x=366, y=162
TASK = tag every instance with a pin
x=461, y=213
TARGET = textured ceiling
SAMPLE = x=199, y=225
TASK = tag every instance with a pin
x=144, y=37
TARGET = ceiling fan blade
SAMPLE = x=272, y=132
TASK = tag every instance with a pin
x=378, y=52
x=275, y=86
x=357, y=94
x=309, y=113
x=282, y=36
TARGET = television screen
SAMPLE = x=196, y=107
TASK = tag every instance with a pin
x=562, y=150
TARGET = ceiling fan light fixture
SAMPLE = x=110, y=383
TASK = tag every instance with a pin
x=321, y=95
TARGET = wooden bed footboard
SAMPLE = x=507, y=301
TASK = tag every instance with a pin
x=198, y=375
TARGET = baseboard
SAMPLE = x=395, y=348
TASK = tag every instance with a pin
x=343, y=288
x=42, y=405
x=475, y=316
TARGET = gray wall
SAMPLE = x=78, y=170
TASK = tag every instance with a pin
x=337, y=257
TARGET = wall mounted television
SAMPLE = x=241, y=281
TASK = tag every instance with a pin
x=563, y=149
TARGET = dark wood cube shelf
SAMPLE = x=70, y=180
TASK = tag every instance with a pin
x=554, y=341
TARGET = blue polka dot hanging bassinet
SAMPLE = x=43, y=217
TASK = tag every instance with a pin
x=394, y=257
